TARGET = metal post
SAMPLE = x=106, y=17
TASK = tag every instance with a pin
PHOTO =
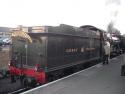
x=26, y=52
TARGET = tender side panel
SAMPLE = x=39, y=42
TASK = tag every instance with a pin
x=64, y=51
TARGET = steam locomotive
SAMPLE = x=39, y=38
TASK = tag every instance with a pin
x=41, y=54
x=117, y=44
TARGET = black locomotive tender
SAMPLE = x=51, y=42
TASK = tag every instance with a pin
x=56, y=51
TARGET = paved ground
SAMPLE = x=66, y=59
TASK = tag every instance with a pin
x=97, y=80
x=6, y=86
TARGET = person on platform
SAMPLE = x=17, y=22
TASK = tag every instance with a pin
x=106, y=52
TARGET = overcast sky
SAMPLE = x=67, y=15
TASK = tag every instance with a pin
x=54, y=12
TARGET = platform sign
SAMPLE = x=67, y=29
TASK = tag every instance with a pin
x=38, y=29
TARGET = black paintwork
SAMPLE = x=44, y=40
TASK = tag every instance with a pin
x=59, y=47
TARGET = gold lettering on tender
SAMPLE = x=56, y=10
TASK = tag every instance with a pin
x=82, y=49
x=71, y=50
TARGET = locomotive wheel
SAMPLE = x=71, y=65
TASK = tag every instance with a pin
x=21, y=79
x=29, y=82
x=25, y=82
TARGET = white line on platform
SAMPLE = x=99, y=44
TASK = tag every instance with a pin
x=17, y=91
x=58, y=80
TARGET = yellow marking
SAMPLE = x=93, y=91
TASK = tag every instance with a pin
x=21, y=34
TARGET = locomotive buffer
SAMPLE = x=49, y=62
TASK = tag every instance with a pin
x=98, y=79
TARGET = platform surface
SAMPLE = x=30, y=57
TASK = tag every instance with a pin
x=100, y=79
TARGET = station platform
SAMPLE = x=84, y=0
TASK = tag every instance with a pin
x=99, y=79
